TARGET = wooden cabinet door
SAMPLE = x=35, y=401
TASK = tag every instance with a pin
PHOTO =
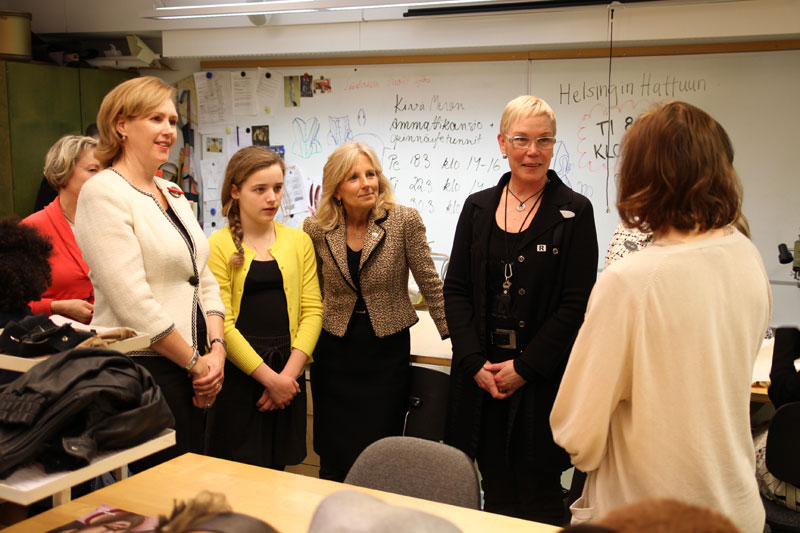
x=95, y=84
x=43, y=104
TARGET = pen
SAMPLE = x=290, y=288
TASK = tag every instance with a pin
x=237, y=136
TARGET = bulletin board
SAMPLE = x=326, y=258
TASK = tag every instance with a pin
x=433, y=126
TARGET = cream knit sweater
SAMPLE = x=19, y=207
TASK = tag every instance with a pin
x=655, y=398
x=139, y=262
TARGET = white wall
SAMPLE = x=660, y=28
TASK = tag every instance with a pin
x=386, y=31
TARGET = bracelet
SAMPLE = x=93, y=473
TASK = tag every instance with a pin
x=193, y=360
x=221, y=341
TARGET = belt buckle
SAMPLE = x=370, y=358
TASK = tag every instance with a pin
x=508, y=337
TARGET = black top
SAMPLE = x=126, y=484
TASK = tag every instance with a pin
x=503, y=249
x=785, y=380
x=202, y=331
x=179, y=224
x=263, y=311
x=353, y=262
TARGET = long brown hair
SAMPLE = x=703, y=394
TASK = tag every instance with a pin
x=241, y=166
x=677, y=171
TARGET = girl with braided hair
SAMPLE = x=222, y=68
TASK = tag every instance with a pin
x=267, y=274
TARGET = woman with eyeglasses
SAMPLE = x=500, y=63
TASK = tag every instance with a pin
x=523, y=264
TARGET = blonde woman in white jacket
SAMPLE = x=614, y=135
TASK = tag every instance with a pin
x=147, y=256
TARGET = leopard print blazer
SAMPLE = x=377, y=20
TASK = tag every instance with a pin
x=394, y=243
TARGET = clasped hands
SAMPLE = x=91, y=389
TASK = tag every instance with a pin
x=500, y=380
x=280, y=390
x=208, y=378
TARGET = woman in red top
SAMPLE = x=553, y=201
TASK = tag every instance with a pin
x=68, y=164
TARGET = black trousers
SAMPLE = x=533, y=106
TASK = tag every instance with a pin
x=510, y=487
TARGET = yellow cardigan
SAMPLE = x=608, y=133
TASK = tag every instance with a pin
x=297, y=261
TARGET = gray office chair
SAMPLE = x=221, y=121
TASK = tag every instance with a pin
x=419, y=468
x=782, y=462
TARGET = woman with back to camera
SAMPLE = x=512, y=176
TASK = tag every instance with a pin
x=67, y=166
x=365, y=245
x=523, y=263
x=267, y=273
x=147, y=256
x=655, y=399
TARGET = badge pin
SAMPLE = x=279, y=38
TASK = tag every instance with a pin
x=541, y=247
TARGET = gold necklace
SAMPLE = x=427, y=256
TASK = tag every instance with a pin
x=358, y=234
x=69, y=220
x=264, y=254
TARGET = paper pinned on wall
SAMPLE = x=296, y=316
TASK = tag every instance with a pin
x=212, y=173
x=243, y=89
x=269, y=84
x=214, y=97
x=212, y=216
x=293, y=192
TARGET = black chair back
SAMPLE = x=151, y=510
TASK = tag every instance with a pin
x=427, y=404
x=783, y=444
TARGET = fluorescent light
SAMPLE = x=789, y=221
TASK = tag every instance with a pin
x=243, y=14
x=241, y=9
x=238, y=4
x=407, y=4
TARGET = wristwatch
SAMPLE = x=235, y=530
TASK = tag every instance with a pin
x=221, y=341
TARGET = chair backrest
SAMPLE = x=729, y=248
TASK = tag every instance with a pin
x=419, y=468
x=427, y=404
x=783, y=443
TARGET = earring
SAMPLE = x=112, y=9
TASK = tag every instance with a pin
x=124, y=137
x=338, y=201
x=505, y=156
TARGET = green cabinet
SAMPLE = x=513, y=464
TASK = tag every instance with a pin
x=39, y=104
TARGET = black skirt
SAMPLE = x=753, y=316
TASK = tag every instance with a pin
x=360, y=390
x=189, y=420
x=237, y=431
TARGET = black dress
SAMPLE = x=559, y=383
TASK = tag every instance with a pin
x=236, y=429
x=360, y=385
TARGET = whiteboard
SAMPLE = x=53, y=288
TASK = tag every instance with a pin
x=753, y=95
x=434, y=126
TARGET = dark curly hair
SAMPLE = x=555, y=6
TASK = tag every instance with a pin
x=24, y=266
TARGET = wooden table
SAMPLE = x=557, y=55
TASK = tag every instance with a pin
x=284, y=500
x=758, y=392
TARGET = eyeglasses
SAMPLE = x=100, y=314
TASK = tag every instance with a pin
x=523, y=143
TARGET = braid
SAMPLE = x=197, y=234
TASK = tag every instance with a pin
x=235, y=224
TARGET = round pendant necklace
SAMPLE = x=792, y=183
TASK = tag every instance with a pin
x=508, y=271
x=521, y=207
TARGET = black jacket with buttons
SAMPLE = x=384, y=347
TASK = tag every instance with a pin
x=66, y=409
x=560, y=257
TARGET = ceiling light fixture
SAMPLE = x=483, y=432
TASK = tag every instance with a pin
x=407, y=4
x=275, y=7
x=235, y=4
x=237, y=14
